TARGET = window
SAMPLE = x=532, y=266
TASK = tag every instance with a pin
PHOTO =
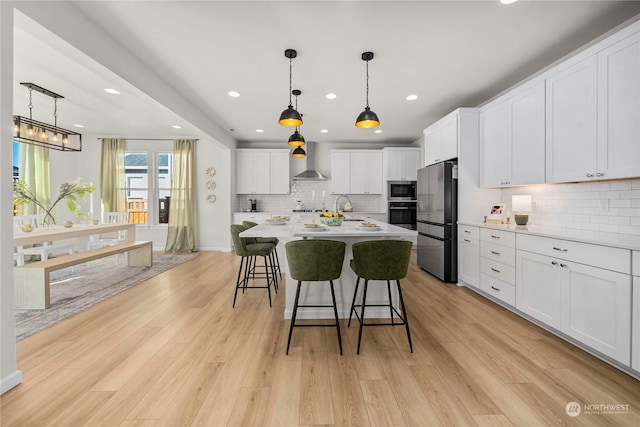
x=148, y=186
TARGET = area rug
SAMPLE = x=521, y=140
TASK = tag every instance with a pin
x=74, y=290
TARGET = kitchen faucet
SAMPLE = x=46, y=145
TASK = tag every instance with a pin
x=338, y=199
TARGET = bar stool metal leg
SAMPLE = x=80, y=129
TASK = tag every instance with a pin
x=364, y=303
x=353, y=302
x=335, y=312
x=390, y=301
x=404, y=314
x=293, y=316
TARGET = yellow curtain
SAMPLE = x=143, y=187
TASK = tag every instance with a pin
x=34, y=170
x=112, y=176
x=181, y=236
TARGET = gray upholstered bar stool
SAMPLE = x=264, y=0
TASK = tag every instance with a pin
x=315, y=261
x=272, y=240
x=249, y=250
x=380, y=260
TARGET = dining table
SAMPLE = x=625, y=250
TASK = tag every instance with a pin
x=82, y=232
x=349, y=232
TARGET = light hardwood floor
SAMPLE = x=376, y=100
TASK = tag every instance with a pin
x=172, y=352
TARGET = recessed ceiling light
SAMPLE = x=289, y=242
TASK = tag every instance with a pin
x=176, y=126
x=112, y=91
x=377, y=131
x=412, y=97
x=259, y=130
x=79, y=126
x=331, y=96
x=324, y=130
x=508, y=1
x=233, y=94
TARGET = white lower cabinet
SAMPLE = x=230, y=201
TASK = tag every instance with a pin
x=596, y=309
x=590, y=304
x=538, y=283
x=468, y=255
x=635, y=328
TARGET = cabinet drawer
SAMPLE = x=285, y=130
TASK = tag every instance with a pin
x=505, y=238
x=499, y=289
x=469, y=231
x=504, y=272
x=606, y=257
x=503, y=254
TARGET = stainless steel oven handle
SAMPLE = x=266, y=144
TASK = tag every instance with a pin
x=394, y=208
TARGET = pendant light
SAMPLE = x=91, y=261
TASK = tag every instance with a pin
x=290, y=117
x=296, y=139
x=367, y=119
x=299, y=152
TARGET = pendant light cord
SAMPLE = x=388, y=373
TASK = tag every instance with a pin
x=30, y=103
x=367, y=74
x=290, y=73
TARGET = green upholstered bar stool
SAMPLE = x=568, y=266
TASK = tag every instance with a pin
x=315, y=261
x=273, y=240
x=249, y=250
x=380, y=260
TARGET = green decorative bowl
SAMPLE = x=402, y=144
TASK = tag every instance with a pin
x=333, y=221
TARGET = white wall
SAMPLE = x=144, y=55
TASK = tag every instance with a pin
x=10, y=376
x=607, y=206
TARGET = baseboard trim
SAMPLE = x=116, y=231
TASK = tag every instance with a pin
x=10, y=381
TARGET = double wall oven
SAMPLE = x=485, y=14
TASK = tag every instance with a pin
x=402, y=203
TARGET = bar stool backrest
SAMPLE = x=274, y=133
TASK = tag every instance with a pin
x=239, y=243
x=381, y=259
x=315, y=260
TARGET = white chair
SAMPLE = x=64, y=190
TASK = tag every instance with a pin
x=43, y=251
x=114, y=238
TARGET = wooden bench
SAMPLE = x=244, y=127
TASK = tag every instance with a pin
x=31, y=281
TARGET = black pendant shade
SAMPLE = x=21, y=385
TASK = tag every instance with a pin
x=367, y=119
x=299, y=152
x=290, y=117
x=296, y=139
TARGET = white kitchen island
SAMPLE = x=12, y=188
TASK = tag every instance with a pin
x=317, y=293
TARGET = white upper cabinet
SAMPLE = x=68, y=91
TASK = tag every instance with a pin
x=401, y=164
x=512, y=138
x=356, y=172
x=262, y=171
x=441, y=140
x=593, y=113
x=619, y=109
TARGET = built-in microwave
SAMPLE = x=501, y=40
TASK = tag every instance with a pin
x=402, y=190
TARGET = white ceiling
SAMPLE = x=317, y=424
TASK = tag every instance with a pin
x=449, y=53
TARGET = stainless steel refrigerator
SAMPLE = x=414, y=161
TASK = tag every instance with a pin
x=436, y=217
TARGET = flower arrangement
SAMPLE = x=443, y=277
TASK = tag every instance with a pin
x=72, y=191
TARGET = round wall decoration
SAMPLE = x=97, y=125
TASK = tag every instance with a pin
x=211, y=184
x=211, y=198
x=211, y=171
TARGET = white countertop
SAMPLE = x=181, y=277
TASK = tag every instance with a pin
x=624, y=241
x=347, y=229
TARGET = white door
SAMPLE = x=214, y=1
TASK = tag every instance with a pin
x=280, y=178
x=412, y=164
x=340, y=172
x=538, y=287
x=635, y=328
x=395, y=165
x=619, y=109
x=572, y=122
x=245, y=172
x=495, y=154
x=449, y=139
x=527, y=136
x=596, y=309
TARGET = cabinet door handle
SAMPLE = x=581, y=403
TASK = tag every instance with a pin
x=563, y=265
x=494, y=288
x=495, y=237
x=467, y=240
x=495, y=253
x=467, y=231
x=599, y=174
x=589, y=175
x=554, y=263
x=495, y=269
x=559, y=249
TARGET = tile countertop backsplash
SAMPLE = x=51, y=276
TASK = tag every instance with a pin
x=302, y=190
x=607, y=206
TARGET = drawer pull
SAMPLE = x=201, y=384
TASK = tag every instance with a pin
x=495, y=253
x=554, y=263
x=467, y=231
x=559, y=249
x=599, y=174
x=467, y=240
x=563, y=265
x=495, y=269
x=589, y=175
x=495, y=237
x=495, y=289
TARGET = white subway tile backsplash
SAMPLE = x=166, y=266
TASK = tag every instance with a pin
x=610, y=206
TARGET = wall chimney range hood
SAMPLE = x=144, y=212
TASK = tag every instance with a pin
x=310, y=174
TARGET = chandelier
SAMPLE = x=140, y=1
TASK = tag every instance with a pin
x=34, y=132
